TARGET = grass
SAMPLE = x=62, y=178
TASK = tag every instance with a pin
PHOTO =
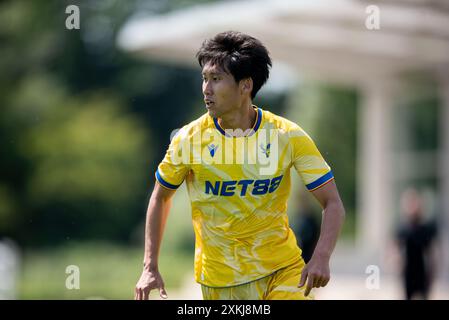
x=106, y=271
x=109, y=271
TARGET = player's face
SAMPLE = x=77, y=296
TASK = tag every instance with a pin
x=222, y=93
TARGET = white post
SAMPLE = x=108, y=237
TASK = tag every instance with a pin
x=374, y=174
x=9, y=266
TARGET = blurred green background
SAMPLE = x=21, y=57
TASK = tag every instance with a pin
x=83, y=126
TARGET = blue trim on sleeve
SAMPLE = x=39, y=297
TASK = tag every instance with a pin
x=328, y=176
x=165, y=183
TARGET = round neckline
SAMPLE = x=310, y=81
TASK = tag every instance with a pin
x=256, y=126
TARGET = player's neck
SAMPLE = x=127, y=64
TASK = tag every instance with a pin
x=244, y=118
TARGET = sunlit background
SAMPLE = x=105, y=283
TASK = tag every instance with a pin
x=86, y=116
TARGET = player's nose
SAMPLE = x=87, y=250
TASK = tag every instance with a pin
x=207, y=89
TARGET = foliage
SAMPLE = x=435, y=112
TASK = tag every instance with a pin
x=82, y=124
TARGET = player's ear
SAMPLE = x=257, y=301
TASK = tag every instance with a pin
x=247, y=85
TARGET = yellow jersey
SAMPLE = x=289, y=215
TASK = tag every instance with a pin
x=238, y=189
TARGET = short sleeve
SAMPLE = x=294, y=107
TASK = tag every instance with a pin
x=173, y=168
x=308, y=161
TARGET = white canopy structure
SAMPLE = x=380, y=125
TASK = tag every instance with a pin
x=335, y=41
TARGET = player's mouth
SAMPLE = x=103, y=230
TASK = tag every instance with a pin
x=209, y=103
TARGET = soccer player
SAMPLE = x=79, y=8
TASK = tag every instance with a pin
x=236, y=162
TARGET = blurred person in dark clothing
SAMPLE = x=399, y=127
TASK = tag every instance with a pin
x=416, y=241
x=307, y=230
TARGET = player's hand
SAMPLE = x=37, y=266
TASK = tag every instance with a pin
x=316, y=273
x=149, y=280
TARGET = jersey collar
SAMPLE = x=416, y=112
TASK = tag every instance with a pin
x=254, y=128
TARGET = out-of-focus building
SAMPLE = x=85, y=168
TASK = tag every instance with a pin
x=373, y=46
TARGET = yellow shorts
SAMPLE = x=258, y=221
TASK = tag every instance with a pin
x=280, y=285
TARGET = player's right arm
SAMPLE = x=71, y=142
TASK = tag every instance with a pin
x=157, y=213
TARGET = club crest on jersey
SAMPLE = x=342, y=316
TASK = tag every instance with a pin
x=212, y=148
x=266, y=151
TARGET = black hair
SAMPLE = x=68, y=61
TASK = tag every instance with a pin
x=238, y=54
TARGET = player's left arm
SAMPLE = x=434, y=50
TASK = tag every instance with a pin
x=317, y=271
